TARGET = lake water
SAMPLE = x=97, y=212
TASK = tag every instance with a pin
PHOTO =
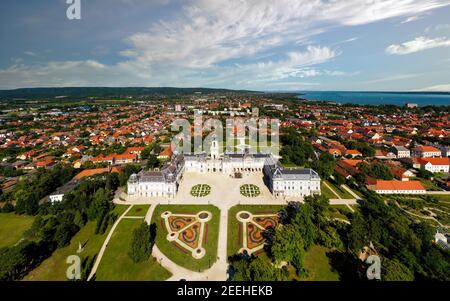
x=379, y=98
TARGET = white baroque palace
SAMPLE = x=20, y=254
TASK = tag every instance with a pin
x=282, y=182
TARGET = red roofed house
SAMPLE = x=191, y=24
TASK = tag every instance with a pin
x=426, y=151
x=166, y=154
x=353, y=152
x=46, y=163
x=435, y=164
x=91, y=172
x=125, y=158
x=134, y=150
x=398, y=187
x=335, y=152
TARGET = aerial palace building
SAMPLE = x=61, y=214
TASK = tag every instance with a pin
x=282, y=182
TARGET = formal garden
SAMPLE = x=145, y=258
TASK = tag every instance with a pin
x=246, y=225
x=188, y=231
x=200, y=190
x=188, y=234
x=250, y=190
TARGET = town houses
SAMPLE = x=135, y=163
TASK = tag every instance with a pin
x=97, y=136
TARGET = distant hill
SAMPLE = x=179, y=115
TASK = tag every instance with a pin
x=103, y=92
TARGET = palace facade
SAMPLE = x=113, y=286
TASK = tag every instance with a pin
x=282, y=182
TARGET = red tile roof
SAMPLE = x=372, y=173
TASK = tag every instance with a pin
x=434, y=161
x=398, y=185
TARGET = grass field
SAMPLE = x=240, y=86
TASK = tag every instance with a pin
x=340, y=191
x=233, y=245
x=12, y=228
x=138, y=210
x=54, y=267
x=317, y=265
x=185, y=259
x=116, y=265
x=327, y=192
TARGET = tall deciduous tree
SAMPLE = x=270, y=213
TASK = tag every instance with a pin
x=141, y=243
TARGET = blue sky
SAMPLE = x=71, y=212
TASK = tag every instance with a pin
x=400, y=45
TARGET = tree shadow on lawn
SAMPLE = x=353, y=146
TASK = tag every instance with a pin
x=345, y=264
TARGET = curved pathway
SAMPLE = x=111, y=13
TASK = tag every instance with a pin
x=217, y=272
x=105, y=244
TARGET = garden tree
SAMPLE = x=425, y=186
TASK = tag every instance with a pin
x=28, y=192
x=79, y=219
x=26, y=203
x=146, y=152
x=319, y=205
x=127, y=171
x=246, y=268
x=396, y=235
x=394, y=270
x=19, y=260
x=8, y=207
x=425, y=174
x=339, y=178
x=381, y=171
x=360, y=178
x=325, y=165
x=436, y=264
x=357, y=236
x=101, y=204
x=157, y=149
x=141, y=244
x=112, y=181
x=153, y=162
x=287, y=245
x=295, y=149
x=303, y=223
x=363, y=147
x=64, y=233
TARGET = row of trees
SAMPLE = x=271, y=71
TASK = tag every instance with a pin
x=56, y=224
x=295, y=149
x=29, y=191
x=404, y=245
x=376, y=170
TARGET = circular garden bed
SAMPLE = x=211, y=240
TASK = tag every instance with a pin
x=200, y=190
x=250, y=190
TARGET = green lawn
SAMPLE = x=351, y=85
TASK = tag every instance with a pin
x=12, y=227
x=176, y=255
x=138, y=210
x=341, y=191
x=442, y=198
x=317, y=265
x=327, y=192
x=54, y=267
x=116, y=265
x=233, y=245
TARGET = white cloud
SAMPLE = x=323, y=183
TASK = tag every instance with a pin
x=412, y=19
x=225, y=43
x=418, y=44
x=437, y=88
x=391, y=78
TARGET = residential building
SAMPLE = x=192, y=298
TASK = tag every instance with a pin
x=398, y=187
x=425, y=151
x=435, y=164
x=401, y=152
